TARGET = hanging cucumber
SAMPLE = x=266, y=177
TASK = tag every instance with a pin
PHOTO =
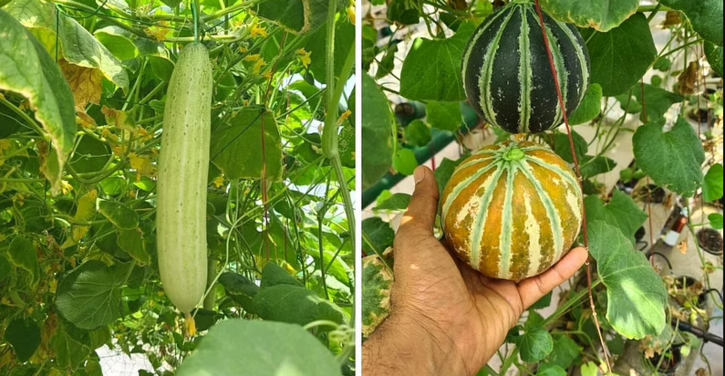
x=182, y=179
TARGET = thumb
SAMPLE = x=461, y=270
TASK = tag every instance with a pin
x=421, y=214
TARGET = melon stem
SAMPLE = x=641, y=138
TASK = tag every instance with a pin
x=513, y=154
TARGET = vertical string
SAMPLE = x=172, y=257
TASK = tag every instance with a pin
x=560, y=98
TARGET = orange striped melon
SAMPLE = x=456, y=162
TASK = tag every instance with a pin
x=512, y=210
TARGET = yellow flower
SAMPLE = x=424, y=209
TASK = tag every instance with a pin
x=219, y=181
x=254, y=57
x=243, y=49
x=258, y=66
x=142, y=165
x=344, y=117
x=258, y=31
x=304, y=57
x=65, y=187
x=351, y=12
x=268, y=75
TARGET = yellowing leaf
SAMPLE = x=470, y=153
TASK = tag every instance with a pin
x=142, y=164
x=344, y=117
x=118, y=118
x=304, y=57
x=351, y=12
x=85, y=120
x=86, y=83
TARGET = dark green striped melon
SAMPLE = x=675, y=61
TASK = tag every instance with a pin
x=512, y=210
x=506, y=72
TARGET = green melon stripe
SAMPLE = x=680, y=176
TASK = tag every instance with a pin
x=582, y=60
x=567, y=176
x=507, y=225
x=484, y=81
x=462, y=185
x=526, y=75
x=477, y=226
x=472, y=43
x=484, y=151
x=474, y=162
x=536, y=148
x=554, y=218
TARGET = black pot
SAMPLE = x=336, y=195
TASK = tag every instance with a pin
x=710, y=241
x=669, y=365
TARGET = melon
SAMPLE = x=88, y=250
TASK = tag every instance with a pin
x=506, y=72
x=512, y=210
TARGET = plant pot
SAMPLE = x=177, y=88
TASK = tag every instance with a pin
x=669, y=364
x=651, y=193
x=688, y=282
x=710, y=241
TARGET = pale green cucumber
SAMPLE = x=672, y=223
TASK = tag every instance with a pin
x=182, y=179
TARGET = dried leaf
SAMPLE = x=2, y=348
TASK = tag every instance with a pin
x=682, y=246
x=689, y=81
x=86, y=84
x=672, y=18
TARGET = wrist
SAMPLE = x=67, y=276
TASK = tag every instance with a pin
x=407, y=344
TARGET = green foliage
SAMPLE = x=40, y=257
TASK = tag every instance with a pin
x=397, y=201
x=601, y=15
x=636, y=295
x=589, y=108
x=445, y=116
x=404, y=161
x=24, y=336
x=275, y=350
x=618, y=69
x=536, y=342
x=378, y=127
x=672, y=159
x=377, y=235
x=704, y=15
x=621, y=212
x=417, y=133
x=82, y=97
x=712, y=184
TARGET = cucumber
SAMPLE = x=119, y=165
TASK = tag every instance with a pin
x=183, y=170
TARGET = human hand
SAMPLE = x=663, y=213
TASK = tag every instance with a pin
x=446, y=318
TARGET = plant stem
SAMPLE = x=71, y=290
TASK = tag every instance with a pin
x=23, y=115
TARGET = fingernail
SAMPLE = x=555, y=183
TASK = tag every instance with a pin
x=419, y=174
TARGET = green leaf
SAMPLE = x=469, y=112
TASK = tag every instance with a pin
x=565, y=352
x=423, y=81
x=119, y=214
x=657, y=101
x=536, y=342
x=277, y=349
x=90, y=155
x=662, y=64
x=589, y=108
x=131, y=241
x=714, y=57
x=562, y=146
x=550, y=370
x=601, y=15
x=417, y=133
x=378, y=129
x=117, y=42
x=31, y=72
x=628, y=103
x=672, y=159
x=398, y=201
x=621, y=212
x=444, y=171
x=589, y=369
x=22, y=254
x=4, y=267
x=240, y=139
x=295, y=16
x=24, y=336
x=387, y=63
x=705, y=16
x=377, y=281
x=78, y=46
x=70, y=350
x=618, y=69
x=240, y=289
x=403, y=12
x=404, y=161
x=317, y=44
x=377, y=235
x=593, y=166
x=90, y=296
x=542, y=303
x=445, y=116
x=636, y=295
x=274, y=275
x=714, y=218
x=294, y=304
x=712, y=185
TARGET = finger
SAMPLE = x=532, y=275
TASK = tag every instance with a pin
x=534, y=288
x=421, y=214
